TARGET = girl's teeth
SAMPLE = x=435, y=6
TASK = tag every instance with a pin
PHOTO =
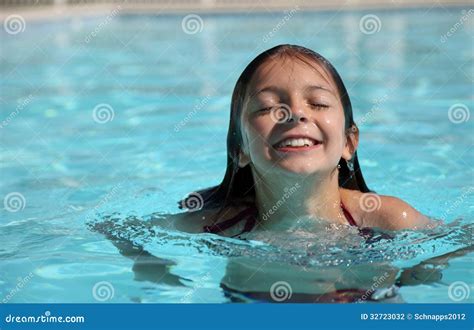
x=301, y=142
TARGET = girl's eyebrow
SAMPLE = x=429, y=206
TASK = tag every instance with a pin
x=277, y=90
x=317, y=87
x=272, y=89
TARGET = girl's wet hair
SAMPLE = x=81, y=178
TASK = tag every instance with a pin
x=238, y=183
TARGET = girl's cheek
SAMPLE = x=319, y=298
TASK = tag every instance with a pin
x=332, y=129
x=260, y=129
x=331, y=118
x=257, y=133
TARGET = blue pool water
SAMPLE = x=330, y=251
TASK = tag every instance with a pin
x=162, y=101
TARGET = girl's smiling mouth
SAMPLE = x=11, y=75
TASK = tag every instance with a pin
x=297, y=143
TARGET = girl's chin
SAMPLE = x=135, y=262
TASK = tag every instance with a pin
x=304, y=169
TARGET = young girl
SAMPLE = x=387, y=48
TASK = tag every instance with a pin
x=291, y=156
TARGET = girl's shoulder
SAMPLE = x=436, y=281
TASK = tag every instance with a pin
x=386, y=212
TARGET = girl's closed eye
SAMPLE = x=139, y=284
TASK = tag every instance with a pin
x=314, y=105
x=319, y=105
x=262, y=109
x=319, y=102
x=266, y=109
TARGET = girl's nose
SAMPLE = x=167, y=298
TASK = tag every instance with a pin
x=298, y=116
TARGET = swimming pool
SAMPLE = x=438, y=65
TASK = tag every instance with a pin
x=126, y=114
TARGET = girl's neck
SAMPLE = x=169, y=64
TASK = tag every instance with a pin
x=283, y=201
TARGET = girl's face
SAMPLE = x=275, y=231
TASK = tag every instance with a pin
x=293, y=120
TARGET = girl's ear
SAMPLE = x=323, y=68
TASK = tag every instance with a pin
x=244, y=159
x=352, y=142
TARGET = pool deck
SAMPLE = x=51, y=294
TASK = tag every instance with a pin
x=62, y=11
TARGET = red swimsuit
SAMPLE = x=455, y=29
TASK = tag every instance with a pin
x=348, y=216
x=250, y=215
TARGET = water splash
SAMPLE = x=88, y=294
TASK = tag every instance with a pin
x=337, y=246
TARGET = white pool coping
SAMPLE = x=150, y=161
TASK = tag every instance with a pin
x=62, y=11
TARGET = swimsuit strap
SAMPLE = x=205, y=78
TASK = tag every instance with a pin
x=348, y=216
x=249, y=214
